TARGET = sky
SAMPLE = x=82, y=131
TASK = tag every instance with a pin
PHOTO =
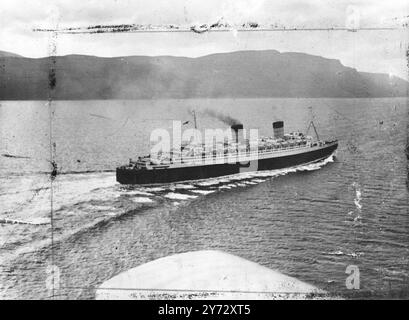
x=375, y=50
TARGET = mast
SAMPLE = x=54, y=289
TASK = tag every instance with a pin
x=312, y=124
x=194, y=118
x=315, y=129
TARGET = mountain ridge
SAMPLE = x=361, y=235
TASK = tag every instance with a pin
x=239, y=74
x=4, y=54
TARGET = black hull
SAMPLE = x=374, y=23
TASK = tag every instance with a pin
x=126, y=175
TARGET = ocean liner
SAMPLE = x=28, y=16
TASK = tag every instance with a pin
x=195, y=162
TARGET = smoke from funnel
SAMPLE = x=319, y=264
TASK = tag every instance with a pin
x=222, y=117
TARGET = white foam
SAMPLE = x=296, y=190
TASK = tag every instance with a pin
x=340, y=253
x=355, y=254
x=39, y=220
x=179, y=196
x=68, y=190
x=32, y=221
x=184, y=186
x=258, y=180
x=208, y=183
x=154, y=189
x=357, y=218
x=142, y=193
x=336, y=253
x=231, y=185
x=142, y=200
x=203, y=191
x=358, y=196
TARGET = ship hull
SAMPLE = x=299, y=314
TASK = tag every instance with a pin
x=126, y=175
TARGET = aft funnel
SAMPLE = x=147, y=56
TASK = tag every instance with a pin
x=235, y=130
x=278, y=128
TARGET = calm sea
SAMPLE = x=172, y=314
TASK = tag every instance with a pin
x=309, y=223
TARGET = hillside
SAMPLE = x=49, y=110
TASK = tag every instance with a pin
x=4, y=54
x=238, y=74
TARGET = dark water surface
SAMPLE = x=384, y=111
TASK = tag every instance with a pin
x=311, y=224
